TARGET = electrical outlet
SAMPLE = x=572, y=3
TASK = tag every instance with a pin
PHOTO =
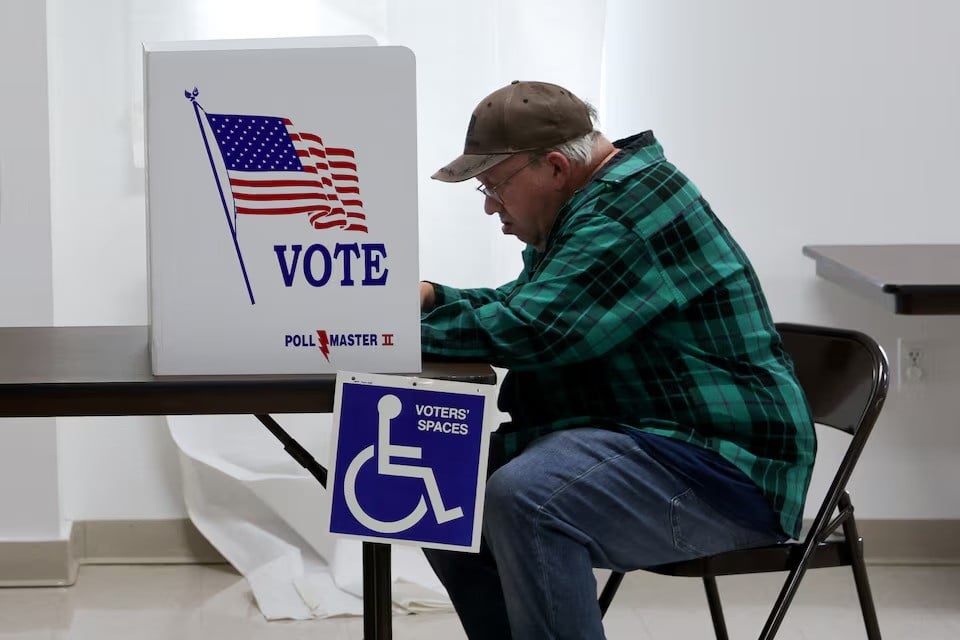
x=913, y=362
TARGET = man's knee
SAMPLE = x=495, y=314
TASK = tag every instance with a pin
x=511, y=495
x=501, y=485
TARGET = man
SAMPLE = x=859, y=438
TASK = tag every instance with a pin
x=654, y=413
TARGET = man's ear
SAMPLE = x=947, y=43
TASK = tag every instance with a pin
x=560, y=169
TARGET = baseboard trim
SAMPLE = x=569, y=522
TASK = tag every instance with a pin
x=910, y=542
x=55, y=562
x=145, y=542
x=40, y=563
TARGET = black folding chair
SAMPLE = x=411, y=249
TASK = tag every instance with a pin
x=844, y=375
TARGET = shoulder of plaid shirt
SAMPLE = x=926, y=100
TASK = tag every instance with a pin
x=643, y=315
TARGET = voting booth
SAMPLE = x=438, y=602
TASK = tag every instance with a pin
x=282, y=207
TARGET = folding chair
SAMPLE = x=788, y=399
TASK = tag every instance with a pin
x=844, y=375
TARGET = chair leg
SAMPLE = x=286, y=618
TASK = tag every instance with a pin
x=784, y=599
x=860, y=579
x=716, y=609
x=609, y=590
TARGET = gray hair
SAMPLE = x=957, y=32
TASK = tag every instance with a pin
x=580, y=150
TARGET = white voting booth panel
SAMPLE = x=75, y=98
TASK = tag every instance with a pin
x=282, y=206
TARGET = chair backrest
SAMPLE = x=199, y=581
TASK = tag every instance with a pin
x=845, y=377
x=843, y=374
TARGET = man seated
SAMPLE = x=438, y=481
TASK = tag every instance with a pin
x=655, y=416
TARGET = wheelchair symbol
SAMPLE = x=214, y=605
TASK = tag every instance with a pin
x=389, y=408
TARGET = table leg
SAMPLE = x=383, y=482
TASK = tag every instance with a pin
x=377, y=584
x=377, y=595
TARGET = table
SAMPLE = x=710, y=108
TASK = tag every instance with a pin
x=909, y=279
x=105, y=371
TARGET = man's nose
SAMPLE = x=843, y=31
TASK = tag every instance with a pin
x=490, y=205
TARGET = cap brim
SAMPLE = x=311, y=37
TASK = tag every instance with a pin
x=469, y=166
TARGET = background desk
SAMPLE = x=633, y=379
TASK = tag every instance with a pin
x=105, y=371
x=914, y=279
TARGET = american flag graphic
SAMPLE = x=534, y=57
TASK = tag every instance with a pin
x=276, y=170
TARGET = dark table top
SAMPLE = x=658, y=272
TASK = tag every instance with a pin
x=105, y=371
x=914, y=279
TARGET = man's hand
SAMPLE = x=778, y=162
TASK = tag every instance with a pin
x=428, y=298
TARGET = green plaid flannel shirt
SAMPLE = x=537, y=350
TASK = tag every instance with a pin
x=641, y=313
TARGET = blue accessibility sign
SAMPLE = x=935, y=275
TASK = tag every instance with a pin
x=409, y=460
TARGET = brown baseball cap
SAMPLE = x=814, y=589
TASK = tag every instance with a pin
x=522, y=116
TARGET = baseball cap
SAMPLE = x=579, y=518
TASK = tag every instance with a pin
x=522, y=116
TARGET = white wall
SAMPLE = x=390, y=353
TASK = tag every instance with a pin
x=29, y=491
x=815, y=123
x=811, y=123
x=110, y=467
x=463, y=55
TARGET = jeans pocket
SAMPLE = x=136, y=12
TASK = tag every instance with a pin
x=701, y=530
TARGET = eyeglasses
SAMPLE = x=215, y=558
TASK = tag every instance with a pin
x=491, y=192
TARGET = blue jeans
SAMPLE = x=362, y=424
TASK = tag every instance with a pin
x=574, y=500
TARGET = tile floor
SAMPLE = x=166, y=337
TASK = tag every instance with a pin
x=211, y=602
